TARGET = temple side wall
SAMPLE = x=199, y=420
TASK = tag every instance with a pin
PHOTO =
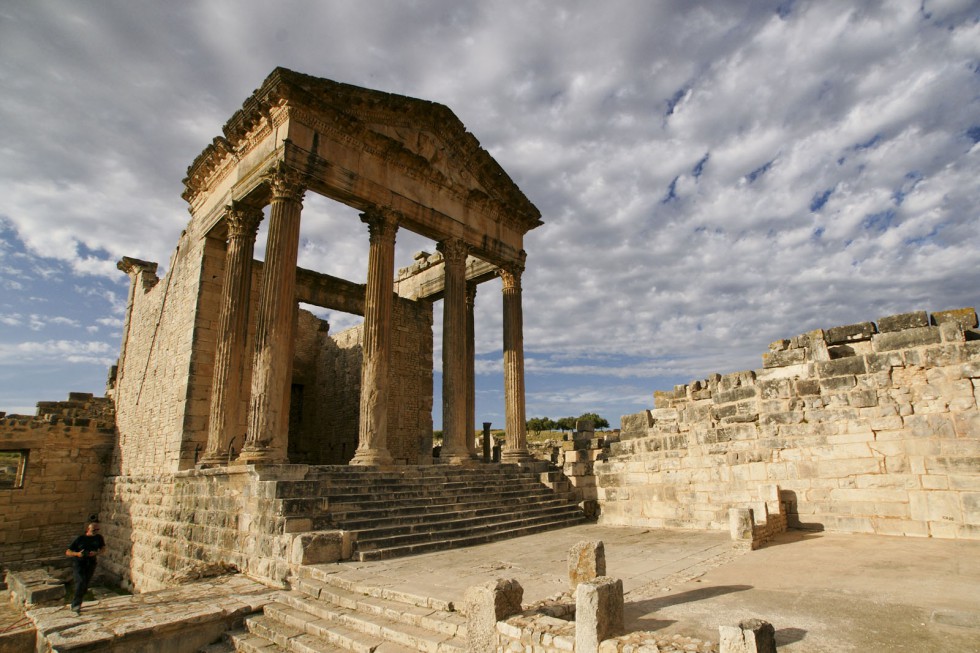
x=68, y=445
x=865, y=428
x=160, y=372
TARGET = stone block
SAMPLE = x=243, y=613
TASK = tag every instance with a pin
x=914, y=337
x=903, y=321
x=783, y=358
x=586, y=561
x=965, y=317
x=850, y=333
x=484, y=605
x=749, y=636
x=741, y=521
x=320, y=547
x=598, y=612
x=842, y=367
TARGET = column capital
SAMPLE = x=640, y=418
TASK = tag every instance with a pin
x=242, y=219
x=470, y=294
x=382, y=225
x=286, y=184
x=453, y=250
x=511, y=276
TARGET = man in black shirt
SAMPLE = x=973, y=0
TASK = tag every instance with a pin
x=83, y=551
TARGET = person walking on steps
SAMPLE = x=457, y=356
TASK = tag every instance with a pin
x=83, y=551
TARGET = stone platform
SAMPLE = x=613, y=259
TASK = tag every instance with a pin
x=172, y=621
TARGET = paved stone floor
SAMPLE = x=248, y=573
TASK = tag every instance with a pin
x=822, y=592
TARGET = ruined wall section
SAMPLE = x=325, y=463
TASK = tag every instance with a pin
x=410, y=398
x=68, y=445
x=865, y=428
x=156, y=375
x=334, y=414
x=338, y=395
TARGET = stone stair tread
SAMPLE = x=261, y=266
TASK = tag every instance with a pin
x=437, y=523
x=248, y=642
x=390, y=604
x=272, y=629
x=424, y=547
x=383, y=625
x=329, y=575
x=368, y=539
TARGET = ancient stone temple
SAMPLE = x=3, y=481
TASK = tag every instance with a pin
x=227, y=392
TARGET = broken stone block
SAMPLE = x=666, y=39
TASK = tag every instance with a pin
x=749, y=636
x=598, y=612
x=740, y=523
x=484, y=605
x=319, y=547
x=586, y=561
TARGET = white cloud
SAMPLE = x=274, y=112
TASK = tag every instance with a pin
x=817, y=158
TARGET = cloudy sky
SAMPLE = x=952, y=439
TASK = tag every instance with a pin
x=712, y=176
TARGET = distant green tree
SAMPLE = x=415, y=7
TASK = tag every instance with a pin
x=538, y=424
x=597, y=421
x=566, y=424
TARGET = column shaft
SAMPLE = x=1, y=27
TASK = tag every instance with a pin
x=372, y=448
x=275, y=331
x=226, y=386
x=515, y=449
x=470, y=370
x=454, y=386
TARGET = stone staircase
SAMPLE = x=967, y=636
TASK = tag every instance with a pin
x=413, y=510
x=324, y=612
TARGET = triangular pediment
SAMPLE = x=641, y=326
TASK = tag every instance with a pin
x=427, y=134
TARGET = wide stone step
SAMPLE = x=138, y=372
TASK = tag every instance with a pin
x=407, y=611
x=356, y=630
x=409, y=492
x=384, y=552
x=348, y=514
x=457, y=523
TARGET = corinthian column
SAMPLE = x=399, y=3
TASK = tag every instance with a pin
x=470, y=369
x=516, y=446
x=372, y=445
x=454, y=448
x=226, y=386
x=272, y=366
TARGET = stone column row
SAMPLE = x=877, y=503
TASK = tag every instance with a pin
x=268, y=415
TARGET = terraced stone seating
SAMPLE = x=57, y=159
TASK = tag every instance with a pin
x=426, y=508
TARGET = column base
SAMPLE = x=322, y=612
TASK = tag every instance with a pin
x=516, y=457
x=372, y=457
x=213, y=460
x=462, y=458
x=261, y=456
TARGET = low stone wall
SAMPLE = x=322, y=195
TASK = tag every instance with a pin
x=868, y=428
x=171, y=528
x=67, y=446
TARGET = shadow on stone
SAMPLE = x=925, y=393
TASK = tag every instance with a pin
x=652, y=605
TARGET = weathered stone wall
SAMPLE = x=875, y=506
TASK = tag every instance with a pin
x=69, y=446
x=166, y=528
x=331, y=416
x=158, y=371
x=866, y=428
